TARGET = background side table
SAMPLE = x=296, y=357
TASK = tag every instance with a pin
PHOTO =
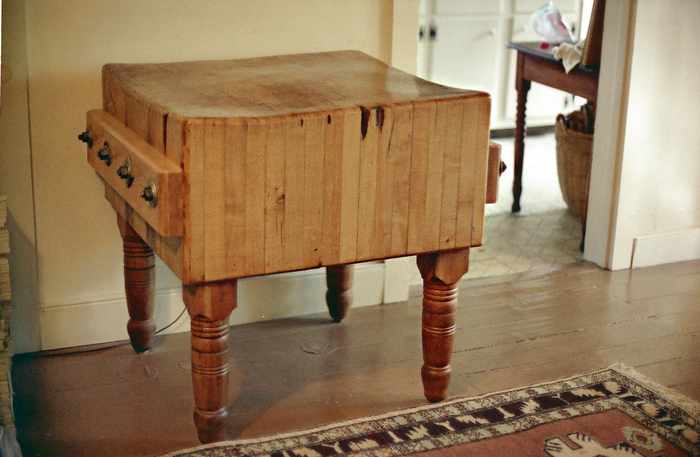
x=539, y=65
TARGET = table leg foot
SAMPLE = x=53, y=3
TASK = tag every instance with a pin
x=211, y=426
x=209, y=306
x=441, y=273
x=339, y=294
x=139, y=278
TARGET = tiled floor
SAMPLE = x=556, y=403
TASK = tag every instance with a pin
x=544, y=235
x=542, y=241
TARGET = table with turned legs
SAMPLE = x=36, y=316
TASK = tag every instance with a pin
x=535, y=64
x=238, y=168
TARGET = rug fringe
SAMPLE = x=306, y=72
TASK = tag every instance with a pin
x=684, y=402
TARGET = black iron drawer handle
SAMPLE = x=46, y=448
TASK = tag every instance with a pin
x=86, y=138
x=124, y=172
x=105, y=155
x=149, y=195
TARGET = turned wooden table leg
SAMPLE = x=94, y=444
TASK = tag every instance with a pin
x=441, y=273
x=139, y=275
x=339, y=294
x=209, y=306
x=522, y=86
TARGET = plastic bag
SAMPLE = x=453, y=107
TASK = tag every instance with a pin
x=548, y=24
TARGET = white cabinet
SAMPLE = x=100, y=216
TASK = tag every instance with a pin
x=450, y=7
x=463, y=45
x=475, y=41
x=528, y=6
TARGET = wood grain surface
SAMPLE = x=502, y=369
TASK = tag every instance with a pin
x=264, y=86
x=295, y=192
x=303, y=372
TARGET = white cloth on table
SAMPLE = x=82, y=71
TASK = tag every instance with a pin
x=569, y=54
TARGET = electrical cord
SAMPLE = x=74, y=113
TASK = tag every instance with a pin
x=173, y=322
x=98, y=347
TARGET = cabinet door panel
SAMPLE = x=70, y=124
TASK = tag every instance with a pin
x=443, y=7
x=465, y=53
x=528, y=6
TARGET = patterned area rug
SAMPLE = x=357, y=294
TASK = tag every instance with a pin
x=614, y=412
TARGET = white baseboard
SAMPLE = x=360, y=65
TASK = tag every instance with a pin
x=397, y=275
x=261, y=298
x=678, y=246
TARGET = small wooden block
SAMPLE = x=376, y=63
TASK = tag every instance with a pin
x=447, y=266
x=213, y=301
x=494, y=173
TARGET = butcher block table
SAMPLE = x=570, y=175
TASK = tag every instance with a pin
x=237, y=168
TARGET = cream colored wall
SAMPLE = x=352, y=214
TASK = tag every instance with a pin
x=16, y=174
x=658, y=211
x=78, y=246
x=404, y=49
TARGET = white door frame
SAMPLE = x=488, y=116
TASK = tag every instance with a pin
x=608, y=142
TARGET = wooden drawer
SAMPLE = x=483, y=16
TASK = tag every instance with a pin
x=146, y=168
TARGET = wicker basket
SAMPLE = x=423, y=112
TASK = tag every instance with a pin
x=574, y=151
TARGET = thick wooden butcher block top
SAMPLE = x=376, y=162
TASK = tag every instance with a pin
x=273, y=86
x=292, y=162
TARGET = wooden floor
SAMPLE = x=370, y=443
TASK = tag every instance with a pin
x=295, y=373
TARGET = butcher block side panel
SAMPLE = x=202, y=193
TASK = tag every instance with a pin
x=423, y=120
x=165, y=135
x=194, y=206
x=481, y=143
x=451, y=176
x=293, y=225
x=254, y=193
x=113, y=97
x=352, y=126
x=314, y=129
x=235, y=198
x=274, y=195
x=267, y=195
x=473, y=162
x=168, y=249
x=213, y=194
x=399, y=152
x=369, y=188
x=149, y=121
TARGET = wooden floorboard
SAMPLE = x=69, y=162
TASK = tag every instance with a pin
x=296, y=373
